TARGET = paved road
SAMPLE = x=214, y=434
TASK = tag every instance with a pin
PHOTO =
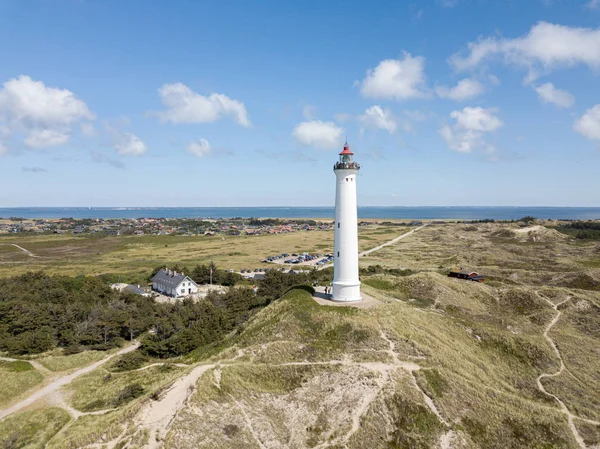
x=57, y=383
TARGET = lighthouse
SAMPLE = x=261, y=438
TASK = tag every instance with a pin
x=346, y=286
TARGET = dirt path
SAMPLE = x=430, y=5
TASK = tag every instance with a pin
x=383, y=245
x=26, y=251
x=157, y=416
x=37, y=365
x=391, y=242
x=59, y=382
x=570, y=416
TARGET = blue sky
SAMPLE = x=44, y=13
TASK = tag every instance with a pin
x=239, y=103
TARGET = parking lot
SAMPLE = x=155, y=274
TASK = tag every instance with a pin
x=300, y=259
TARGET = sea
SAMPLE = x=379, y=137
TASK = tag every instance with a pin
x=392, y=212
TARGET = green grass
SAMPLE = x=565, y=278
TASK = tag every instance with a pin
x=58, y=363
x=133, y=257
x=31, y=429
x=379, y=284
x=92, y=428
x=101, y=390
x=17, y=366
x=16, y=378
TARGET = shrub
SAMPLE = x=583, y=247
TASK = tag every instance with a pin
x=129, y=393
x=130, y=361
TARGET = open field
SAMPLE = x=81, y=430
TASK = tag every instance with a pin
x=437, y=363
x=134, y=256
x=16, y=378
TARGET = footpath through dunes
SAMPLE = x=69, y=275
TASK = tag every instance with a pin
x=439, y=363
x=57, y=383
x=403, y=374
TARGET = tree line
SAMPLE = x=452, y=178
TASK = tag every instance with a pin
x=39, y=312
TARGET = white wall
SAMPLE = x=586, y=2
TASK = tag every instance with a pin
x=346, y=286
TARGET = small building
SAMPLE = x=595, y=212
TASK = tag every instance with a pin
x=172, y=283
x=467, y=275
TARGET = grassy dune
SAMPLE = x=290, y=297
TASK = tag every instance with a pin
x=58, y=363
x=32, y=429
x=437, y=360
x=101, y=390
x=16, y=378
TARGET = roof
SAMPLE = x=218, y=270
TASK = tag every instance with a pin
x=135, y=289
x=346, y=150
x=169, y=278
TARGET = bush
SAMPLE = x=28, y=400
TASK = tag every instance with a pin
x=307, y=288
x=129, y=393
x=130, y=361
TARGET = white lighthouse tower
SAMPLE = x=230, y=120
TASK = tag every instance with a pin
x=346, y=286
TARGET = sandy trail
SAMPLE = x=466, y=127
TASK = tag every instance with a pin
x=158, y=415
x=383, y=245
x=391, y=242
x=61, y=381
x=37, y=365
x=570, y=416
x=26, y=251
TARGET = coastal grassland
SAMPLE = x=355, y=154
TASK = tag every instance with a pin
x=11, y=254
x=298, y=374
x=101, y=389
x=577, y=334
x=133, y=256
x=16, y=378
x=58, y=362
x=32, y=429
x=90, y=429
x=307, y=373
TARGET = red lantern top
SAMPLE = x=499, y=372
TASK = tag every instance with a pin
x=346, y=150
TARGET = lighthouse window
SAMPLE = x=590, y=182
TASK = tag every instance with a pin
x=338, y=254
x=338, y=224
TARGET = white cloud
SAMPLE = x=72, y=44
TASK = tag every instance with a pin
x=589, y=124
x=398, y=79
x=465, y=89
x=44, y=115
x=547, y=46
x=40, y=138
x=3, y=149
x=467, y=134
x=320, y=134
x=593, y=4
x=549, y=94
x=477, y=119
x=377, y=117
x=126, y=143
x=199, y=148
x=186, y=106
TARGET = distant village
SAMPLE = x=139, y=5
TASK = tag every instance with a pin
x=169, y=226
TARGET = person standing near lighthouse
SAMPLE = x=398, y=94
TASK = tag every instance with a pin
x=346, y=284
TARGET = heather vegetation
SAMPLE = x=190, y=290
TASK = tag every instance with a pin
x=582, y=230
x=435, y=362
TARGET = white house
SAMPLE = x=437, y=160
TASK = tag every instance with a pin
x=172, y=283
